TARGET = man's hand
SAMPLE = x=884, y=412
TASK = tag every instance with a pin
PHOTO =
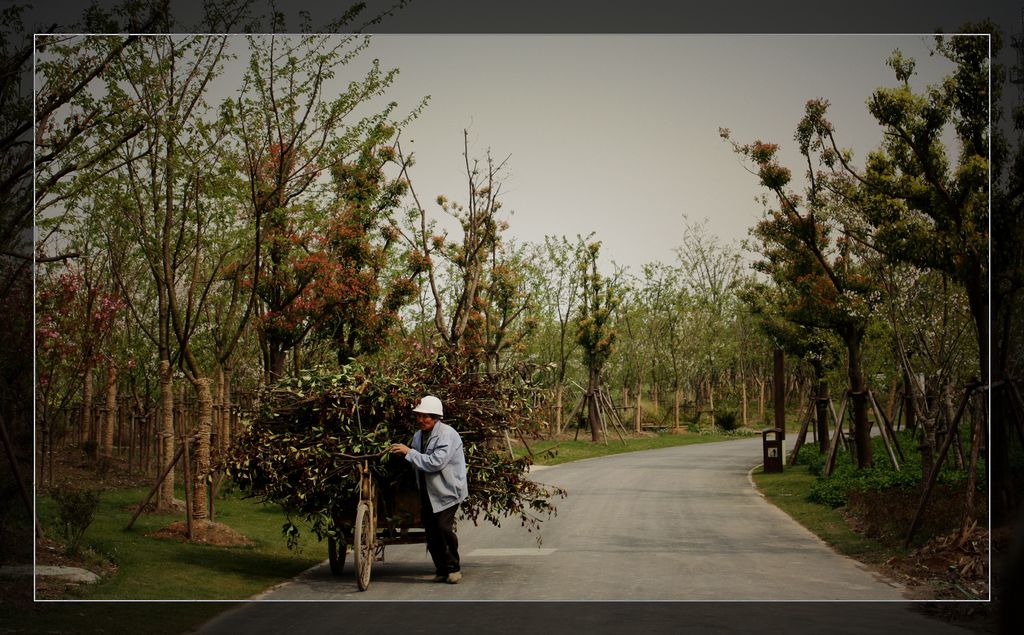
x=399, y=448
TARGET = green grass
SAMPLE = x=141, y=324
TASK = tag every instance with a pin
x=789, y=491
x=547, y=452
x=159, y=568
x=150, y=568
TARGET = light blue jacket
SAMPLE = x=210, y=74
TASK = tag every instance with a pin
x=444, y=465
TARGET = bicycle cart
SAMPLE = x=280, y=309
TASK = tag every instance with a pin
x=379, y=517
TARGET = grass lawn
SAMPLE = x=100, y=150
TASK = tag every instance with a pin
x=154, y=569
x=151, y=567
x=788, y=491
x=553, y=452
x=163, y=568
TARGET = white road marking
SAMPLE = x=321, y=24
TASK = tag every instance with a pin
x=528, y=551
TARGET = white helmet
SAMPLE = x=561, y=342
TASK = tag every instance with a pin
x=430, y=405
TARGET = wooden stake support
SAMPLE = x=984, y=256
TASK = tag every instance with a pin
x=883, y=431
x=937, y=465
x=170, y=466
x=833, y=446
x=9, y=451
x=188, y=487
x=802, y=436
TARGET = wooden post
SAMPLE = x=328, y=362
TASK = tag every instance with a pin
x=886, y=426
x=131, y=440
x=802, y=436
x=637, y=414
x=780, y=393
x=743, y=390
x=188, y=487
x=12, y=460
x=558, y=409
x=156, y=486
x=936, y=466
x=711, y=403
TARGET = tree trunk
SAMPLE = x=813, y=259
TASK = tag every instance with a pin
x=909, y=406
x=821, y=412
x=949, y=414
x=201, y=470
x=230, y=431
x=890, y=407
x=675, y=409
x=760, y=399
x=596, y=430
x=638, y=413
x=87, y=432
x=110, y=418
x=220, y=429
x=278, y=357
x=559, y=390
x=858, y=397
x=1002, y=494
x=165, y=495
x=743, y=402
x=711, y=402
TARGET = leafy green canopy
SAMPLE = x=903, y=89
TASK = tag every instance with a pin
x=310, y=435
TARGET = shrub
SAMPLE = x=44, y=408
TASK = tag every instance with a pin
x=812, y=458
x=726, y=420
x=846, y=477
x=75, y=510
x=89, y=448
x=308, y=439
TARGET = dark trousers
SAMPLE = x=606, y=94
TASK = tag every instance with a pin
x=442, y=543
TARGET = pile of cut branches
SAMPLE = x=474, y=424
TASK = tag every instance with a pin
x=309, y=435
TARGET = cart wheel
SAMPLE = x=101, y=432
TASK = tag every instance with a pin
x=336, y=549
x=362, y=544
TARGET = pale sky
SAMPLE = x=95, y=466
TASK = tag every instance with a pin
x=618, y=134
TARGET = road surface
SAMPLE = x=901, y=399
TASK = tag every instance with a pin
x=644, y=538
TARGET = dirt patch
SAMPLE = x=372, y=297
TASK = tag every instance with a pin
x=945, y=563
x=70, y=464
x=203, y=531
x=887, y=516
x=950, y=567
x=50, y=553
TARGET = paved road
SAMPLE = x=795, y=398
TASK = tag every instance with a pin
x=680, y=524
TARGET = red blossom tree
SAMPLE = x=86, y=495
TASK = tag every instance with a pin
x=74, y=319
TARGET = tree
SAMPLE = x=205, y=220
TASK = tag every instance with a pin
x=563, y=290
x=164, y=193
x=74, y=318
x=657, y=324
x=931, y=325
x=594, y=330
x=710, y=272
x=362, y=284
x=557, y=289
x=506, y=301
x=290, y=133
x=926, y=208
x=824, y=280
x=477, y=294
x=813, y=344
x=478, y=219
